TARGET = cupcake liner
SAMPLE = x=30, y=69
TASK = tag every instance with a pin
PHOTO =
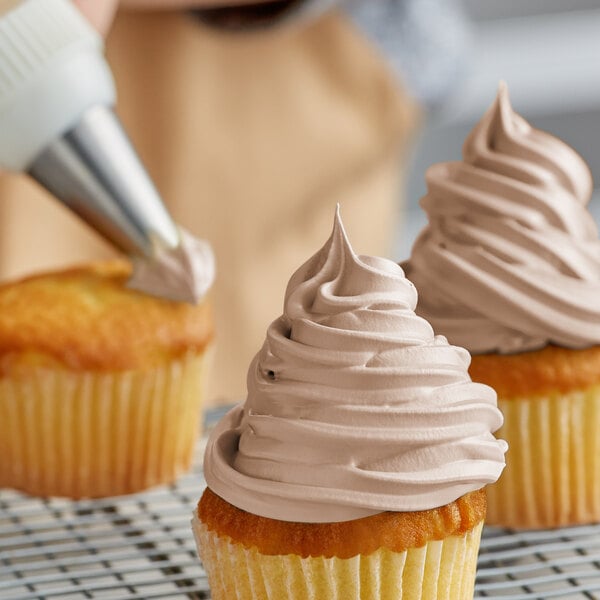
x=87, y=434
x=552, y=474
x=439, y=570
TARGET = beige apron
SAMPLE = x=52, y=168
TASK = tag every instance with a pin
x=251, y=139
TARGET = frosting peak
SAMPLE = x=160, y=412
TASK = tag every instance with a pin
x=354, y=406
x=184, y=273
x=510, y=260
x=505, y=143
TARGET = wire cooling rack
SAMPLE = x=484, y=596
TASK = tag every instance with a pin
x=142, y=547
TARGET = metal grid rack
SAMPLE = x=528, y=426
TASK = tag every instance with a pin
x=142, y=547
x=562, y=563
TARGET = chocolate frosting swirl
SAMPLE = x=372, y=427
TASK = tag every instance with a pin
x=183, y=274
x=510, y=260
x=354, y=406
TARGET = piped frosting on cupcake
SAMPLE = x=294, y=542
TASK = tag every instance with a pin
x=184, y=273
x=510, y=260
x=354, y=406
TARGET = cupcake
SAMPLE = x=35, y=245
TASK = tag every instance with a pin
x=356, y=465
x=509, y=268
x=100, y=385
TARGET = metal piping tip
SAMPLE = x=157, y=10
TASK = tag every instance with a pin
x=54, y=79
x=94, y=170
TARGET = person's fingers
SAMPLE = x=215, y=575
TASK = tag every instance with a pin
x=100, y=13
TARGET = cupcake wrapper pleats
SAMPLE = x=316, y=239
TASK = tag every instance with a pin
x=552, y=474
x=99, y=434
x=440, y=570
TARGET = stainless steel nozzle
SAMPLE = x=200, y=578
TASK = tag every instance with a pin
x=95, y=171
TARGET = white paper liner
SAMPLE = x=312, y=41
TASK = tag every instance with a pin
x=64, y=433
x=439, y=570
x=552, y=474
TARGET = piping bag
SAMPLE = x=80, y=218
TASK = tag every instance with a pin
x=57, y=124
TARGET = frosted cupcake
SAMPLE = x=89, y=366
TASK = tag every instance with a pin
x=509, y=268
x=101, y=387
x=356, y=465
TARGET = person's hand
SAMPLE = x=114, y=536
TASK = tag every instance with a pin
x=101, y=12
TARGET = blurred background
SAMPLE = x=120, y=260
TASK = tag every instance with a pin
x=548, y=51
x=255, y=120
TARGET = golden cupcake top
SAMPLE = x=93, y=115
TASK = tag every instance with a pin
x=396, y=531
x=85, y=318
x=550, y=370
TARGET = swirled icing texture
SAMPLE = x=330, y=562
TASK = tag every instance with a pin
x=354, y=407
x=510, y=260
x=184, y=273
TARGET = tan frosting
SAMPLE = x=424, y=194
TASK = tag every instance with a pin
x=510, y=260
x=184, y=273
x=354, y=407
